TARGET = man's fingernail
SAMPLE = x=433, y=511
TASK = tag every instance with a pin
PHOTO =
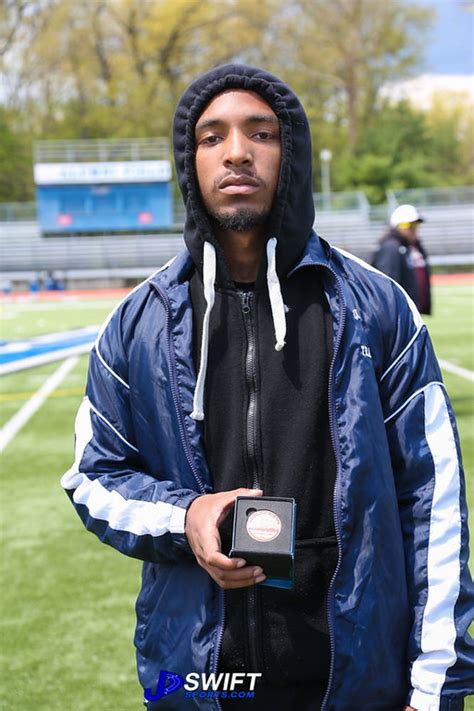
x=257, y=571
x=240, y=563
x=260, y=578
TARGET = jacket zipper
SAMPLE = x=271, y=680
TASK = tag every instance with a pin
x=252, y=456
x=251, y=381
x=335, y=444
x=336, y=507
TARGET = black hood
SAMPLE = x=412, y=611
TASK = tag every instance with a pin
x=292, y=215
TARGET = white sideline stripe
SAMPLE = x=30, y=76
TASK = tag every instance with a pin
x=413, y=395
x=109, y=317
x=22, y=345
x=438, y=630
x=57, y=337
x=456, y=369
x=34, y=361
x=131, y=515
x=19, y=306
x=13, y=426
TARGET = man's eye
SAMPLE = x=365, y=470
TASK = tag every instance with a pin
x=210, y=140
x=264, y=135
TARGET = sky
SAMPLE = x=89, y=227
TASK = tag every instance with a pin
x=450, y=45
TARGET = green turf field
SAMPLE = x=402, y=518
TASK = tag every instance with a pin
x=68, y=600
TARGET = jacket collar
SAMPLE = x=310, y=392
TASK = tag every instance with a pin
x=316, y=252
x=175, y=273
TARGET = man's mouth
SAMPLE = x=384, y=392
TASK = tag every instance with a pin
x=239, y=185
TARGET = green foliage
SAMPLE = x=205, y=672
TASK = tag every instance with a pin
x=401, y=147
x=16, y=167
x=116, y=68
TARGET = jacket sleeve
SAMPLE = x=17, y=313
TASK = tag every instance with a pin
x=429, y=478
x=136, y=511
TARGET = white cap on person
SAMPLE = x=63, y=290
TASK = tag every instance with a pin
x=405, y=214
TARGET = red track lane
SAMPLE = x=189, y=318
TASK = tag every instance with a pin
x=67, y=295
x=72, y=294
x=454, y=279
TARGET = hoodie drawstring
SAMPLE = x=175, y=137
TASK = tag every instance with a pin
x=276, y=299
x=209, y=278
x=276, y=303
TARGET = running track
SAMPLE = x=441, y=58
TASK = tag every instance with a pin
x=465, y=278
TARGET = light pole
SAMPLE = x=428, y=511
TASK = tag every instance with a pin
x=325, y=156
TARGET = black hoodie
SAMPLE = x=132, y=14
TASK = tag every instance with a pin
x=266, y=412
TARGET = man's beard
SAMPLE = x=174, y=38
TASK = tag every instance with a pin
x=241, y=221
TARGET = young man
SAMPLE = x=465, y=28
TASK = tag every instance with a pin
x=402, y=256
x=261, y=360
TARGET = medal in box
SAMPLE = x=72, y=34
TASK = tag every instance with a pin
x=264, y=534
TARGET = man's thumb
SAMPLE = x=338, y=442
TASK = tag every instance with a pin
x=248, y=492
x=232, y=495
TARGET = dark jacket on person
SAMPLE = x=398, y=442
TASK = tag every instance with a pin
x=398, y=601
x=393, y=258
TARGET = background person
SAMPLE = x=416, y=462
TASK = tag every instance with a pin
x=402, y=256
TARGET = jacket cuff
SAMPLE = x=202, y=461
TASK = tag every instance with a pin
x=177, y=518
x=427, y=702
x=177, y=524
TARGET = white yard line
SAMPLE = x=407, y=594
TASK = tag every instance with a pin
x=13, y=426
x=456, y=369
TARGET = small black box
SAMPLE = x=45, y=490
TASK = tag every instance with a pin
x=264, y=534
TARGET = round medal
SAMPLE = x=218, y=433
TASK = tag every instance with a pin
x=263, y=526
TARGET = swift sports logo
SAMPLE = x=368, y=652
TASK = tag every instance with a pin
x=205, y=686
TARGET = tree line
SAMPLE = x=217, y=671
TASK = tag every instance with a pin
x=116, y=68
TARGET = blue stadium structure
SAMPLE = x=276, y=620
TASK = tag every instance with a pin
x=103, y=186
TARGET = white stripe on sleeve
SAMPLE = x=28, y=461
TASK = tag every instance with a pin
x=438, y=632
x=131, y=515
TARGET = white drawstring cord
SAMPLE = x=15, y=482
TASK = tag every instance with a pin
x=209, y=277
x=276, y=299
x=276, y=302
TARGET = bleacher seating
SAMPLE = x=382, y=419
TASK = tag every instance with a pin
x=447, y=235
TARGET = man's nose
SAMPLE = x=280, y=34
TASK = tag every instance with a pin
x=237, y=149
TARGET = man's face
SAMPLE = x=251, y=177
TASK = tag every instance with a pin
x=238, y=159
x=409, y=230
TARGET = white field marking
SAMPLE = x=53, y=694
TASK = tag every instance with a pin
x=456, y=369
x=32, y=362
x=19, y=419
x=11, y=308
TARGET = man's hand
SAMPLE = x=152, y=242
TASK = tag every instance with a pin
x=203, y=519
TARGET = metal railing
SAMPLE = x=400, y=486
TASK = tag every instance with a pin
x=17, y=211
x=432, y=197
x=101, y=150
x=447, y=235
x=348, y=200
